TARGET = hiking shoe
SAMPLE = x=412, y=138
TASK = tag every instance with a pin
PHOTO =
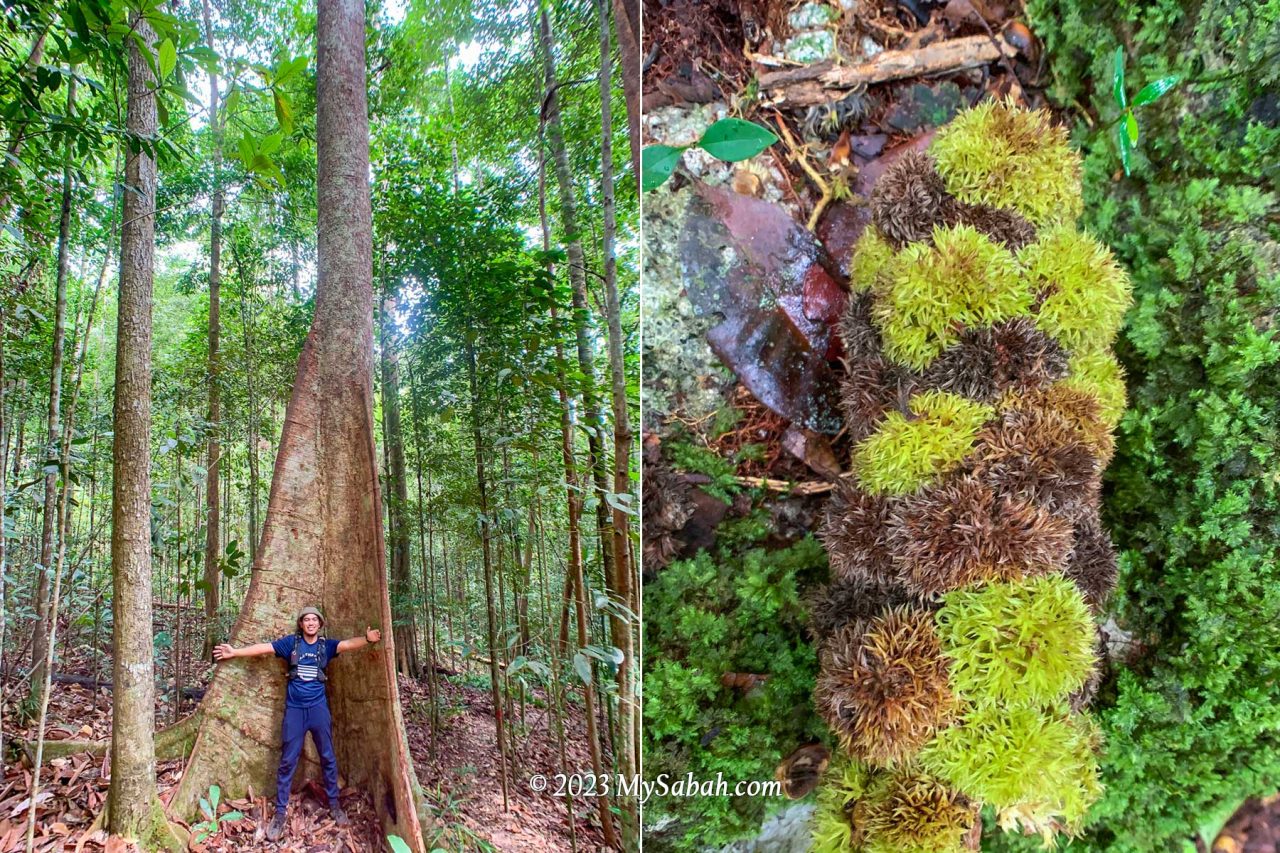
x=275, y=829
x=339, y=816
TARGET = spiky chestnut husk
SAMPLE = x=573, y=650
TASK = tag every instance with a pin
x=1028, y=641
x=1098, y=374
x=1092, y=562
x=832, y=827
x=988, y=361
x=1037, y=456
x=906, y=453
x=931, y=293
x=907, y=811
x=910, y=200
x=960, y=533
x=1038, y=762
x=1080, y=408
x=853, y=532
x=1006, y=157
x=883, y=688
x=854, y=600
x=1084, y=292
x=872, y=385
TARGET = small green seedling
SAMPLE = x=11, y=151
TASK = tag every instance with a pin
x=729, y=139
x=1127, y=126
x=209, y=827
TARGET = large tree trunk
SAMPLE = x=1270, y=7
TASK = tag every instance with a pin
x=578, y=280
x=626, y=20
x=40, y=636
x=620, y=628
x=322, y=537
x=133, y=808
x=406, y=628
x=212, y=547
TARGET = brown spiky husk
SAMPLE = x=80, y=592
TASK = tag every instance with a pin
x=854, y=600
x=854, y=531
x=1092, y=562
x=885, y=691
x=909, y=810
x=1000, y=224
x=872, y=385
x=961, y=533
x=909, y=200
x=1037, y=456
x=1011, y=356
x=1079, y=407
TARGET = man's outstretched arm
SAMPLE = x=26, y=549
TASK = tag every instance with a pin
x=226, y=651
x=371, y=635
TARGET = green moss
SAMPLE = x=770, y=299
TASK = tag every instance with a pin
x=1027, y=641
x=738, y=609
x=1087, y=292
x=907, y=453
x=931, y=292
x=1001, y=155
x=844, y=783
x=871, y=256
x=1038, y=764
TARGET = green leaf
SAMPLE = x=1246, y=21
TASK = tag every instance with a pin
x=1118, y=79
x=215, y=794
x=233, y=815
x=284, y=113
x=1131, y=127
x=733, y=139
x=1155, y=89
x=1126, y=147
x=657, y=162
x=168, y=58
x=398, y=844
x=583, y=667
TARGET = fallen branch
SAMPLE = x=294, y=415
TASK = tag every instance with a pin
x=173, y=742
x=789, y=486
x=825, y=82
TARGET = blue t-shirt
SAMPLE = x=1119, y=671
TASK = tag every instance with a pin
x=306, y=690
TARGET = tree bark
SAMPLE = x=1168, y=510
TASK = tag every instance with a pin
x=620, y=628
x=626, y=21
x=578, y=280
x=322, y=540
x=133, y=807
x=212, y=547
x=40, y=637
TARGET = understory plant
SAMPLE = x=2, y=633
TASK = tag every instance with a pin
x=981, y=392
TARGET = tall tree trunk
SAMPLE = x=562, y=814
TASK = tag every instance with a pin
x=4, y=468
x=133, y=807
x=397, y=499
x=322, y=539
x=578, y=280
x=626, y=20
x=212, y=548
x=40, y=637
x=620, y=628
x=485, y=529
x=575, y=577
x=246, y=325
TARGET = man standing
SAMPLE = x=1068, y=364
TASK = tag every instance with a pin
x=306, y=707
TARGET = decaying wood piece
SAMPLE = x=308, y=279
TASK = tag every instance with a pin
x=322, y=540
x=825, y=82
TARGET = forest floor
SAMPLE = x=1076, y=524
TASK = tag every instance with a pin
x=461, y=779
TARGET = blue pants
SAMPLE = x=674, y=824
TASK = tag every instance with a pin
x=297, y=722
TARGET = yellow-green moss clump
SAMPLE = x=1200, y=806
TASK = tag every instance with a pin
x=870, y=259
x=1003, y=156
x=1026, y=641
x=933, y=292
x=1085, y=292
x=906, y=453
x=1098, y=374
